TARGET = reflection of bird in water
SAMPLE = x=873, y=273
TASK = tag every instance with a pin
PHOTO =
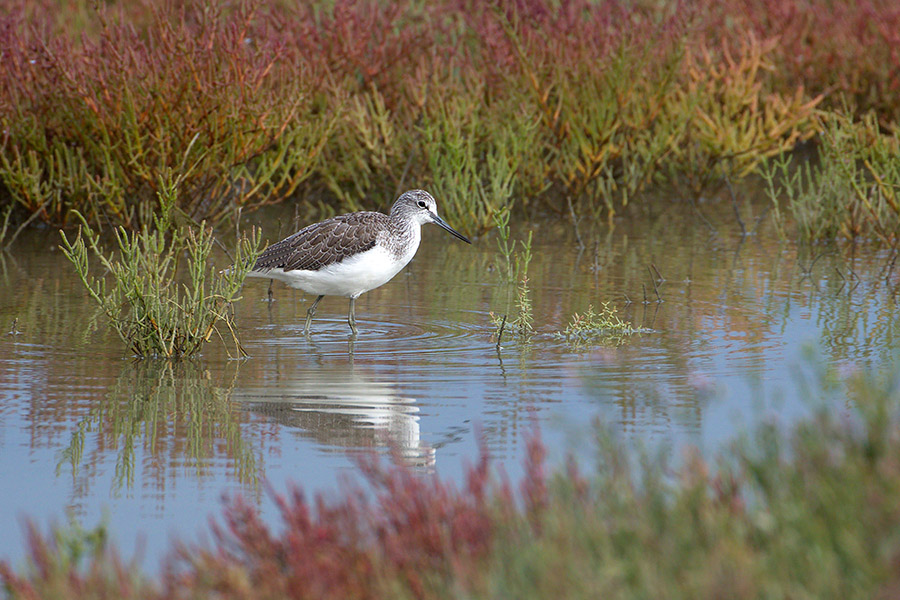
x=343, y=412
x=351, y=254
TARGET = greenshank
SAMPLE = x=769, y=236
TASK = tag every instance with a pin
x=351, y=254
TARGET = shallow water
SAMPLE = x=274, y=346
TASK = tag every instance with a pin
x=153, y=447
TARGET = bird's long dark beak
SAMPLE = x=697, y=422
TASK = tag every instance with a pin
x=439, y=221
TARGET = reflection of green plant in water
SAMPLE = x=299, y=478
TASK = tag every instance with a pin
x=604, y=328
x=169, y=408
x=515, y=270
x=153, y=312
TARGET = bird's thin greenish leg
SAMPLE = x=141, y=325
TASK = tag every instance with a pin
x=311, y=312
x=351, y=318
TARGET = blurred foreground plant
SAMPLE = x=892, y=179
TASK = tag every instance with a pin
x=74, y=562
x=148, y=303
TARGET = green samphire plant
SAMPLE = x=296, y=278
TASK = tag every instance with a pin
x=852, y=191
x=516, y=262
x=604, y=328
x=155, y=308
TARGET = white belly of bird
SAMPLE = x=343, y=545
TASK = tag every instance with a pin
x=351, y=277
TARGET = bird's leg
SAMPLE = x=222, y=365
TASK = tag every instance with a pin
x=351, y=317
x=311, y=312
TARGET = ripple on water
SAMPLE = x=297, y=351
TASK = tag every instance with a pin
x=382, y=336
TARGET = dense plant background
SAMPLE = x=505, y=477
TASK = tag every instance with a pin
x=558, y=105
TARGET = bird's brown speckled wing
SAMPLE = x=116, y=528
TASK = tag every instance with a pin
x=325, y=243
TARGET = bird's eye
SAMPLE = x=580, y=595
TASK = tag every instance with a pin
x=421, y=204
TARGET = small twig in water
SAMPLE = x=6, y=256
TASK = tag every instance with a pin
x=734, y=204
x=500, y=331
x=14, y=328
x=234, y=337
x=808, y=271
x=888, y=268
x=27, y=222
x=5, y=226
x=843, y=280
x=655, y=286
x=237, y=225
x=703, y=218
x=761, y=218
x=853, y=275
x=575, y=222
x=653, y=320
x=658, y=274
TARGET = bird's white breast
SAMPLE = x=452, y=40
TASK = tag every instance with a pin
x=352, y=276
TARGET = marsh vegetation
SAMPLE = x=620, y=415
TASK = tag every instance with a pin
x=573, y=136
x=544, y=107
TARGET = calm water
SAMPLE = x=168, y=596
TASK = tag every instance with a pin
x=153, y=447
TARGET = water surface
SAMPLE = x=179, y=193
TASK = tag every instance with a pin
x=152, y=447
